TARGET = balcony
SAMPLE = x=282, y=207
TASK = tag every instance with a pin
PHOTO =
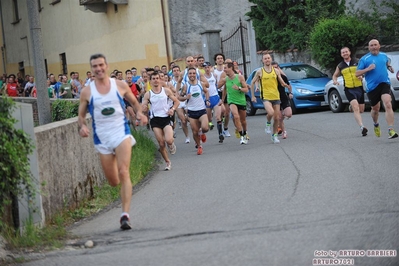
x=100, y=6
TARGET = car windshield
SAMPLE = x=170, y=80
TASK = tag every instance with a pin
x=302, y=72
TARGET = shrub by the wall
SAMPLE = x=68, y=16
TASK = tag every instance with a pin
x=64, y=109
x=15, y=175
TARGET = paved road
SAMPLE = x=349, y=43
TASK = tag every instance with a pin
x=324, y=188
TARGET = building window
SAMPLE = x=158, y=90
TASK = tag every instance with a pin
x=21, y=68
x=15, y=11
x=64, y=66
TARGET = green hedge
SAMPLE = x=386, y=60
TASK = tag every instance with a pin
x=64, y=109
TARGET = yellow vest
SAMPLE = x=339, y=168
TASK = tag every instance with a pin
x=269, y=86
x=148, y=87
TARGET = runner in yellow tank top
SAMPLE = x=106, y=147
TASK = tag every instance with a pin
x=269, y=85
x=267, y=77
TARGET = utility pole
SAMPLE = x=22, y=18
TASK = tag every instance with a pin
x=43, y=101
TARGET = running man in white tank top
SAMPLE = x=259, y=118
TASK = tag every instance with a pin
x=160, y=114
x=183, y=78
x=112, y=139
x=181, y=110
x=197, y=95
x=219, y=72
x=216, y=103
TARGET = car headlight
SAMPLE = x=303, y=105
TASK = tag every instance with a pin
x=304, y=91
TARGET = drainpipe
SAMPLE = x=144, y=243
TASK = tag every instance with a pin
x=165, y=32
x=3, y=46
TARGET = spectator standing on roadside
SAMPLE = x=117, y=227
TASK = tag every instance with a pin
x=12, y=86
x=29, y=86
x=66, y=88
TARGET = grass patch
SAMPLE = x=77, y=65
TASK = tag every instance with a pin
x=53, y=234
x=34, y=238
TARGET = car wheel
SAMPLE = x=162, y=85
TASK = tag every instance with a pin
x=335, y=102
x=250, y=107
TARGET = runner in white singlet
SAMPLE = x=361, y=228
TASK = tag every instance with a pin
x=196, y=92
x=160, y=113
x=214, y=98
x=112, y=139
x=181, y=110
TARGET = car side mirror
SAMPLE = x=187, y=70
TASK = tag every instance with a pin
x=397, y=75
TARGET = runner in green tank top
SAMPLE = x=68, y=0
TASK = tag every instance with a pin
x=235, y=89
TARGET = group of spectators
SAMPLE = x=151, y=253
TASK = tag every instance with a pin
x=65, y=87
x=19, y=86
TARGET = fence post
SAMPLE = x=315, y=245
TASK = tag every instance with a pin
x=23, y=113
x=244, y=58
x=255, y=63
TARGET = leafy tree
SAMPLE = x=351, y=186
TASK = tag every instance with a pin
x=330, y=35
x=283, y=24
x=384, y=17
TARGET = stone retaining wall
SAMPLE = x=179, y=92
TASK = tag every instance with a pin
x=69, y=167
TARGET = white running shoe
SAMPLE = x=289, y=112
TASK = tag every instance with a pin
x=275, y=138
x=268, y=128
x=187, y=140
x=284, y=134
x=172, y=149
x=243, y=140
x=168, y=166
x=226, y=133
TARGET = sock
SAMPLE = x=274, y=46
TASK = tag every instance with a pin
x=241, y=133
x=226, y=128
x=244, y=132
x=219, y=126
x=125, y=213
x=376, y=124
x=268, y=123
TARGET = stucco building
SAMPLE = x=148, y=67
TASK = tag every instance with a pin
x=134, y=34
